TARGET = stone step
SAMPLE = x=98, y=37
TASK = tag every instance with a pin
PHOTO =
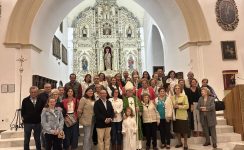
x=224, y=129
x=220, y=113
x=221, y=120
x=222, y=138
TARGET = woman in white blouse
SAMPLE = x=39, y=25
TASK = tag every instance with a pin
x=172, y=80
x=86, y=83
x=116, y=131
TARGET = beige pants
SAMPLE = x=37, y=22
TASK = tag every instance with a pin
x=196, y=117
x=103, y=135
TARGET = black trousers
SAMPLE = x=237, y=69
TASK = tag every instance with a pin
x=94, y=135
x=52, y=142
x=151, y=133
x=164, y=128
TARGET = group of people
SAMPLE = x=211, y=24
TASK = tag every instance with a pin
x=120, y=112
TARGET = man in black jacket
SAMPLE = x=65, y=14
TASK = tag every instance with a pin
x=104, y=113
x=31, y=115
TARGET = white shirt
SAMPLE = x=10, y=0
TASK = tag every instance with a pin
x=84, y=86
x=70, y=108
x=118, y=108
x=105, y=104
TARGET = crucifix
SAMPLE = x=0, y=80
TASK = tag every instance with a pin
x=131, y=103
x=18, y=122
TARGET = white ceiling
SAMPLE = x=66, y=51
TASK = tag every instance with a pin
x=132, y=6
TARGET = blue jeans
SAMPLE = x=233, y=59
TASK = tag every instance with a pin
x=27, y=134
x=71, y=136
x=116, y=133
x=87, y=139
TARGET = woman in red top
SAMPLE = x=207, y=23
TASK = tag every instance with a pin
x=146, y=89
x=71, y=130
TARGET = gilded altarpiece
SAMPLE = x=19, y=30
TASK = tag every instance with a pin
x=106, y=39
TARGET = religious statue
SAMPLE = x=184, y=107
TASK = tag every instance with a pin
x=106, y=11
x=106, y=29
x=84, y=64
x=129, y=32
x=108, y=59
x=131, y=63
x=84, y=32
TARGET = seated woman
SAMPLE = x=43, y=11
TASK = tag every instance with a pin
x=206, y=107
x=52, y=123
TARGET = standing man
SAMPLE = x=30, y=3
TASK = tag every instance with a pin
x=125, y=75
x=190, y=76
x=75, y=85
x=43, y=97
x=31, y=115
x=132, y=101
x=104, y=113
x=161, y=76
x=61, y=93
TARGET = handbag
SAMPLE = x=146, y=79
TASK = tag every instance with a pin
x=70, y=120
x=219, y=105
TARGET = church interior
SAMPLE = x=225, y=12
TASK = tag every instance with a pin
x=47, y=40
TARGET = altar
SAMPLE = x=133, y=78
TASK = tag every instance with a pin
x=106, y=38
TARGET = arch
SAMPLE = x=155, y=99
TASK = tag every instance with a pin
x=27, y=18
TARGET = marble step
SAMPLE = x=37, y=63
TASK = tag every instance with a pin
x=222, y=138
x=221, y=120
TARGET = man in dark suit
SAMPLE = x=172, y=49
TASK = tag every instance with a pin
x=31, y=115
x=103, y=113
x=43, y=97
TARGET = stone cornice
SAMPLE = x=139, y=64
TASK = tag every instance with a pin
x=23, y=46
x=196, y=43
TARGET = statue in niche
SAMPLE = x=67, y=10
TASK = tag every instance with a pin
x=84, y=64
x=107, y=58
x=106, y=11
x=106, y=29
x=131, y=63
x=84, y=32
x=129, y=32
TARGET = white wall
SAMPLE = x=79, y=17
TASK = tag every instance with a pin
x=211, y=57
x=9, y=69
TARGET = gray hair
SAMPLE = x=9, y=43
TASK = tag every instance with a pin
x=33, y=88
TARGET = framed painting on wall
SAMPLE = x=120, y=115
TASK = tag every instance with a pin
x=229, y=79
x=64, y=55
x=56, y=47
x=228, y=50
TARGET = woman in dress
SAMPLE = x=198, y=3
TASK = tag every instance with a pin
x=129, y=129
x=86, y=115
x=206, y=107
x=116, y=136
x=180, y=125
x=146, y=75
x=52, y=122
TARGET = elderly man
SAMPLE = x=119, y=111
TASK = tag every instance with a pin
x=75, y=85
x=161, y=76
x=104, y=113
x=132, y=101
x=205, y=84
x=190, y=76
x=31, y=115
x=43, y=97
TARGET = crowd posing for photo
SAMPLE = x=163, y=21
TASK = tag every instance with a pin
x=118, y=113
